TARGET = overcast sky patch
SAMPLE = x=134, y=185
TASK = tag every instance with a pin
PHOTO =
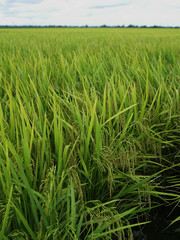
x=110, y=6
x=23, y=1
x=88, y=12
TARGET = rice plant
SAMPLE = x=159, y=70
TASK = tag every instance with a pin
x=89, y=130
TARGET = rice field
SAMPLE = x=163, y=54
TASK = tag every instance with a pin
x=89, y=131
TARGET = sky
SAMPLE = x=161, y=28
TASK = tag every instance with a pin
x=90, y=12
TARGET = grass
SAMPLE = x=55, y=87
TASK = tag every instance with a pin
x=89, y=130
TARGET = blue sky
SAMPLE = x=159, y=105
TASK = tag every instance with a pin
x=91, y=12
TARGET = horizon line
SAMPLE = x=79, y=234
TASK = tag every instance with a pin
x=88, y=26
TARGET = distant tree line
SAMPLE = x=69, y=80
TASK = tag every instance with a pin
x=85, y=26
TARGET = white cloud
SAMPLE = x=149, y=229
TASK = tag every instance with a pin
x=91, y=12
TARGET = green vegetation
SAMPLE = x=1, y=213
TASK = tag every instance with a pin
x=89, y=131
